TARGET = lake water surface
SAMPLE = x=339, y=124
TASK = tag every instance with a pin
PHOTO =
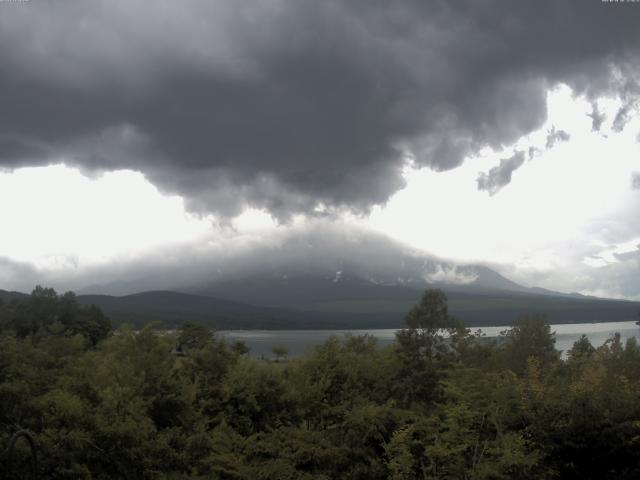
x=301, y=342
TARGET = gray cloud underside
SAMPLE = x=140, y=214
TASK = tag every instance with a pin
x=624, y=114
x=285, y=104
x=16, y=275
x=556, y=135
x=597, y=118
x=619, y=278
x=500, y=175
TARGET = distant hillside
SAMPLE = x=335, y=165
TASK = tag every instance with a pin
x=295, y=286
x=7, y=296
x=173, y=308
x=345, y=303
x=503, y=308
x=476, y=303
x=301, y=289
x=382, y=307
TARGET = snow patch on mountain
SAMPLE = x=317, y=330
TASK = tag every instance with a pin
x=450, y=275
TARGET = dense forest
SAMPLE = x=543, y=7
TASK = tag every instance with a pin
x=440, y=403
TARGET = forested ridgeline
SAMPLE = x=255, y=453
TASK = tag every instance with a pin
x=105, y=404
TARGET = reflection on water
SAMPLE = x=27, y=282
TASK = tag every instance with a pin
x=300, y=342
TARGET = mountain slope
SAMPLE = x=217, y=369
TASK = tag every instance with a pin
x=172, y=308
x=494, y=300
x=384, y=310
x=7, y=296
x=361, y=305
x=295, y=289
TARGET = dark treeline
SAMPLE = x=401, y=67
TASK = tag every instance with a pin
x=107, y=404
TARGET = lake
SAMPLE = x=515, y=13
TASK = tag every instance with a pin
x=301, y=342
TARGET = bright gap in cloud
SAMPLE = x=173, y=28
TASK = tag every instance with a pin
x=564, y=201
x=252, y=220
x=56, y=218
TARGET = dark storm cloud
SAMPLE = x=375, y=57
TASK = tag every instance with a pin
x=500, y=175
x=556, y=135
x=287, y=104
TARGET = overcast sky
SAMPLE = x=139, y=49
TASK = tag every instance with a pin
x=137, y=135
